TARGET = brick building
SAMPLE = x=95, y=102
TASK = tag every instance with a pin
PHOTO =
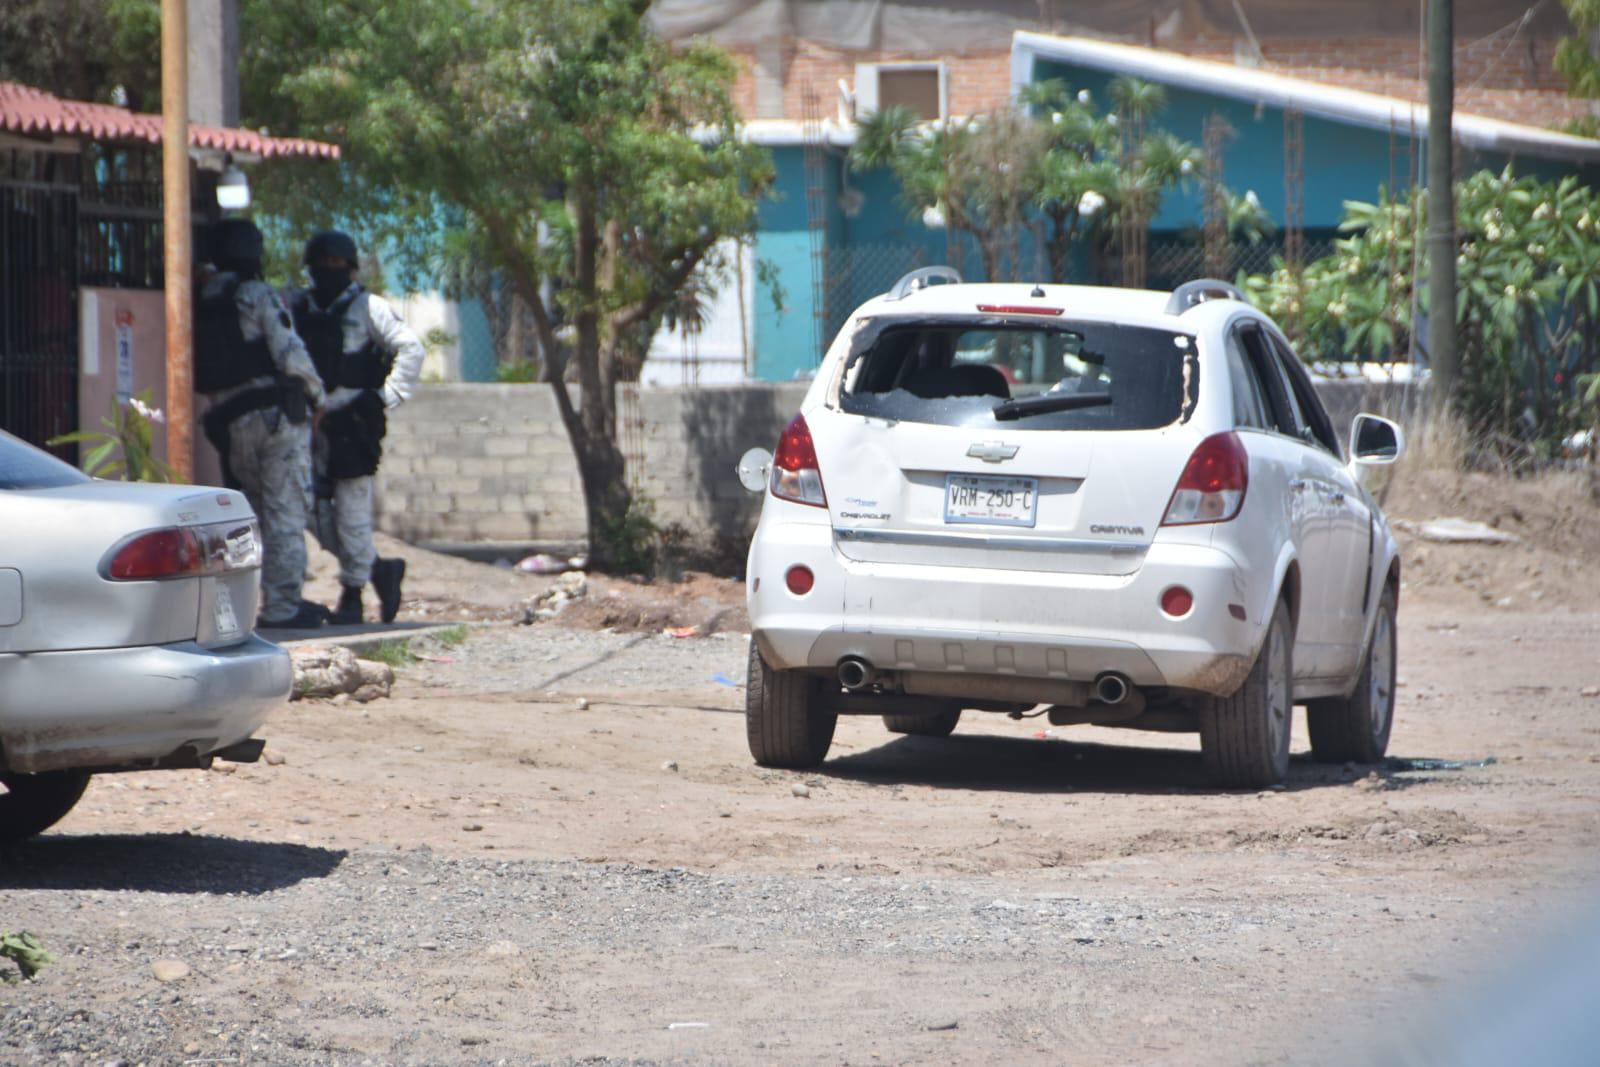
x=1504, y=50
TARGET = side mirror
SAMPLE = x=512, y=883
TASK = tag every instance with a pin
x=1375, y=441
x=754, y=468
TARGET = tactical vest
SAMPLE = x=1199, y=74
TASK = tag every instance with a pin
x=322, y=330
x=223, y=359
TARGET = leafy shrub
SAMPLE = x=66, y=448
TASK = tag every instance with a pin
x=125, y=448
x=1528, y=304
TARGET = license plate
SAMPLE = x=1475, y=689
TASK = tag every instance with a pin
x=222, y=612
x=980, y=498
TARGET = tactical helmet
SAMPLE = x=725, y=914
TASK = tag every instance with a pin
x=233, y=241
x=332, y=243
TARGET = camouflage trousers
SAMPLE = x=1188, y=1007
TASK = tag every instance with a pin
x=271, y=458
x=342, y=519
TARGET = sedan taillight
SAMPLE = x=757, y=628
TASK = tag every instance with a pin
x=185, y=552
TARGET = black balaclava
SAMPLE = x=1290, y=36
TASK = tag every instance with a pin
x=328, y=282
x=246, y=269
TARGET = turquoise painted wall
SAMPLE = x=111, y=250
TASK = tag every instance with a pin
x=784, y=338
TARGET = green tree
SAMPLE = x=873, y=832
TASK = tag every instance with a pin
x=1077, y=173
x=1054, y=162
x=1578, y=56
x=582, y=156
x=85, y=49
x=975, y=172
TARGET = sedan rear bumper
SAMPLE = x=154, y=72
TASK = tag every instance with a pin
x=130, y=707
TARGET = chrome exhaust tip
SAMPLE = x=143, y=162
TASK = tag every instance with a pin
x=856, y=673
x=1111, y=688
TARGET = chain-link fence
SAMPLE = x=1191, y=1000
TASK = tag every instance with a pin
x=1173, y=262
x=497, y=337
x=856, y=274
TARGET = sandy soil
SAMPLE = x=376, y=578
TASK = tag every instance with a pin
x=551, y=846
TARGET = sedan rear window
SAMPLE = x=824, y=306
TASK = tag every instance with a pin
x=24, y=467
x=1060, y=376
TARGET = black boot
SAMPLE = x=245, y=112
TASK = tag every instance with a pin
x=348, y=613
x=387, y=575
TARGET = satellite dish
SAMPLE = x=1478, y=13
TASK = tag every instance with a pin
x=753, y=468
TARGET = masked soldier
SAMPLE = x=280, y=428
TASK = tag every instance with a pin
x=263, y=389
x=369, y=361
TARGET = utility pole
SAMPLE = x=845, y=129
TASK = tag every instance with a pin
x=175, y=216
x=1442, y=353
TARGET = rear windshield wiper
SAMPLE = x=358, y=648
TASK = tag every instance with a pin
x=1043, y=402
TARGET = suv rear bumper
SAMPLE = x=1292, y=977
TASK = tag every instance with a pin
x=990, y=621
x=118, y=707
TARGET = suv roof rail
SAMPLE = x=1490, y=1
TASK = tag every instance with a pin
x=1199, y=291
x=921, y=278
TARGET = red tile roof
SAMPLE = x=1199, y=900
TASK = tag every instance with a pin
x=26, y=110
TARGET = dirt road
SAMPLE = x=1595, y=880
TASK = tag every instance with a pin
x=482, y=871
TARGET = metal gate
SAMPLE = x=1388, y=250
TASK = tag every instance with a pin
x=39, y=311
x=66, y=219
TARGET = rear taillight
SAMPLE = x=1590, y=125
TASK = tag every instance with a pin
x=185, y=552
x=795, y=474
x=1213, y=482
x=157, y=554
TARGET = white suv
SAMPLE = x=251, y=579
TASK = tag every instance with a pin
x=1126, y=505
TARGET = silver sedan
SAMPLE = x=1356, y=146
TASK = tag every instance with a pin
x=126, y=632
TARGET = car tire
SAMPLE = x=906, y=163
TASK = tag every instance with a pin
x=1244, y=738
x=1355, y=729
x=787, y=722
x=32, y=803
x=938, y=724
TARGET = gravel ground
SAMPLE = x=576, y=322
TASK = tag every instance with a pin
x=551, y=847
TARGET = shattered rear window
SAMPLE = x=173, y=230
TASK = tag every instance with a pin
x=998, y=372
x=24, y=467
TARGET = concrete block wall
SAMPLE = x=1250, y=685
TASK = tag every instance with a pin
x=471, y=463
x=479, y=462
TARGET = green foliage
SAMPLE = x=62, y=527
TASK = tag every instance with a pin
x=517, y=371
x=770, y=278
x=978, y=173
x=27, y=952
x=1575, y=58
x=453, y=636
x=1528, y=305
x=85, y=49
x=1246, y=220
x=635, y=538
x=396, y=652
x=125, y=448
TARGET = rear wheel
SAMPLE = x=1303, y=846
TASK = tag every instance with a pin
x=936, y=724
x=32, y=803
x=1244, y=738
x=787, y=721
x=1356, y=728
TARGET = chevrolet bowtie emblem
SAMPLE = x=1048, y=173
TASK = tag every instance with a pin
x=992, y=451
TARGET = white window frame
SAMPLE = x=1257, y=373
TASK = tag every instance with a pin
x=867, y=84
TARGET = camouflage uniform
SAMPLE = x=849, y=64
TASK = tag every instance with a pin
x=268, y=455
x=342, y=521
